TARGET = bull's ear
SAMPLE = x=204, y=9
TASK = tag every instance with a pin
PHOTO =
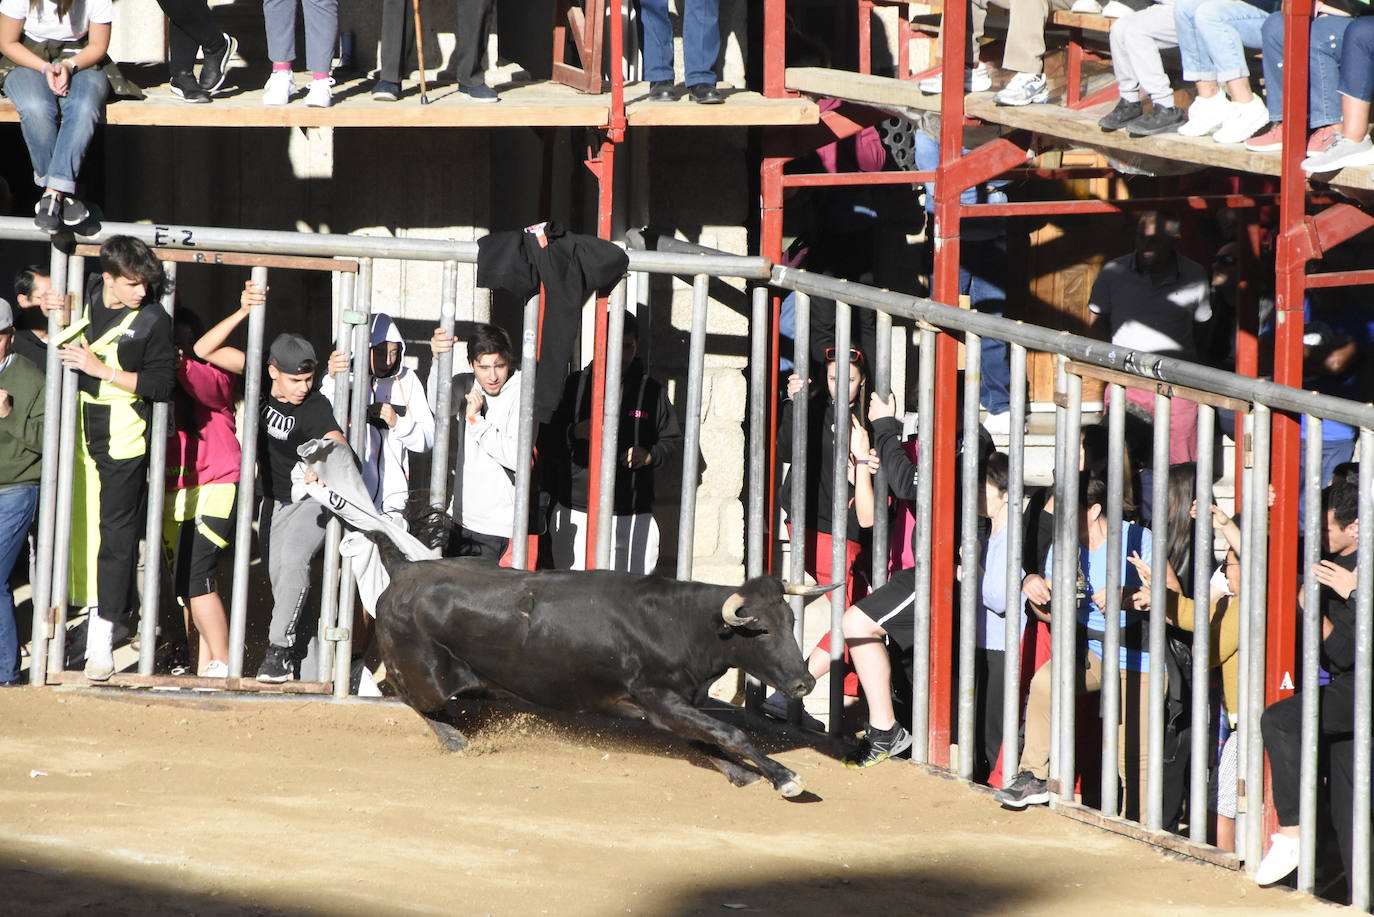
x=809, y=592
x=729, y=609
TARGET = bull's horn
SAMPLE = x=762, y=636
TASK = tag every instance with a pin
x=728, y=609
x=809, y=592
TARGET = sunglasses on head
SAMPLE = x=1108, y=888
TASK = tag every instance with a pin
x=855, y=356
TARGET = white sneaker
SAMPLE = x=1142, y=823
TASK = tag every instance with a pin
x=216, y=669
x=1279, y=863
x=1343, y=153
x=319, y=94
x=998, y=424
x=281, y=86
x=1206, y=115
x=977, y=79
x=1025, y=89
x=1115, y=9
x=1243, y=122
x=99, y=652
x=1091, y=7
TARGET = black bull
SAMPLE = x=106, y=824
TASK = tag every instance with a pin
x=590, y=641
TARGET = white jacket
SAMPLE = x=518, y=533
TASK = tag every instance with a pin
x=490, y=446
x=386, y=453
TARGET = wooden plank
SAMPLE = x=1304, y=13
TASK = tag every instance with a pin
x=189, y=682
x=741, y=108
x=1089, y=22
x=859, y=87
x=240, y=259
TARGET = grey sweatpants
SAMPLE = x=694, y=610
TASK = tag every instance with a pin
x=295, y=533
x=321, y=31
x=1136, y=41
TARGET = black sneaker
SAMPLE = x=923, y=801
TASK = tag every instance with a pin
x=47, y=213
x=1118, y=117
x=706, y=94
x=480, y=92
x=386, y=91
x=276, y=665
x=1160, y=120
x=1025, y=789
x=881, y=744
x=187, y=88
x=74, y=213
x=662, y=91
x=216, y=66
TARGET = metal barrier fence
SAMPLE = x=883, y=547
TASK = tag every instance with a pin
x=1079, y=357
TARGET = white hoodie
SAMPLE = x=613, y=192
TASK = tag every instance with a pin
x=385, y=454
x=490, y=447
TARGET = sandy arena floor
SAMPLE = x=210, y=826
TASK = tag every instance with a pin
x=115, y=803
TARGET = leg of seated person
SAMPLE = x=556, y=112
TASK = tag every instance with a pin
x=1281, y=729
x=1026, y=33
x=37, y=106
x=1324, y=73
x=81, y=110
x=1135, y=42
x=1357, y=78
x=1226, y=28
x=1197, y=66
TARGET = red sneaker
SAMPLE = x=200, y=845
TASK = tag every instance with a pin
x=1322, y=138
x=1270, y=141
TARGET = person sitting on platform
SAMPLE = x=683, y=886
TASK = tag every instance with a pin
x=1025, y=49
x=1136, y=40
x=1212, y=38
x=1324, y=57
x=700, y=48
x=1351, y=148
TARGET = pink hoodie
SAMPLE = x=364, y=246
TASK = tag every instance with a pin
x=203, y=447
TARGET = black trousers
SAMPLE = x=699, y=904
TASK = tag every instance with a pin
x=464, y=542
x=988, y=686
x=192, y=28
x=1281, y=727
x=123, y=490
x=398, y=36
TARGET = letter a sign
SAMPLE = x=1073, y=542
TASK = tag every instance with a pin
x=1287, y=683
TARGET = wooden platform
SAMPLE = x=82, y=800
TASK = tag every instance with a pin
x=1078, y=128
x=526, y=105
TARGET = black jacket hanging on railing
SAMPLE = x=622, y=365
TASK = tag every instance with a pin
x=570, y=266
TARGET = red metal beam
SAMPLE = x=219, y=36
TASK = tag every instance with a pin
x=1096, y=206
x=849, y=179
x=602, y=163
x=774, y=48
x=1340, y=279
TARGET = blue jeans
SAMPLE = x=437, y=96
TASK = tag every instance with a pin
x=980, y=264
x=1323, y=104
x=700, y=40
x=17, y=504
x=1357, y=60
x=57, y=129
x=1213, y=36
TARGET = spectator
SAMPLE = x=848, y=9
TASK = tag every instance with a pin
x=977, y=74
x=1157, y=301
x=192, y=27
x=483, y=501
x=1025, y=50
x=21, y=448
x=1352, y=147
x=202, y=476
x=1334, y=364
x=1323, y=100
x=125, y=359
x=1029, y=787
x=31, y=286
x=291, y=524
x=1212, y=38
x=648, y=435
x=1136, y=40
x=700, y=48
x=321, y=35
x=398, y=34
x=1281, y=724
x=54, y=50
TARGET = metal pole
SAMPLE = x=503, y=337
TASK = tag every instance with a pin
x=1159, y=562
x=243, y=524
x=333, y=532
x=610, y=430
x=1364, y=679
x=47, y=502
x=1312, y=541
x=72, y=288
x=839, y=504
x=1016, y=494
x=691, y=443
x=1066, y=520
x=1248, y=573
x=1203, y=563
x=442, y=374
x=925, y=465
x=1065, y=464
x=1111, y=634
x=1258, y=548
x=361, y=397
x=796, y=511
x=759, y=390
x=157, y=485
x=524, y=454
x=970, y=486
x=882, y=387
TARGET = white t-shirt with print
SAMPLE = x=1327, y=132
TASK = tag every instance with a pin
x=42, y=24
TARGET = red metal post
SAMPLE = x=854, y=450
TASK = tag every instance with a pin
x=776, y=154
x=1247, y=331
x=774, y=48
x=602, y=164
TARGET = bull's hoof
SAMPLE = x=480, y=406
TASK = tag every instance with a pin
x=449, y=738
x=792, y=787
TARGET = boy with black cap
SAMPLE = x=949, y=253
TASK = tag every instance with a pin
x=21, y=446
x=291, y=525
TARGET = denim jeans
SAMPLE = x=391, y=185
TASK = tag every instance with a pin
x=57, y=129
x=1323, y=104
x=980, y=265
x=1213, y=36
x=17, y=504
x=700, y=40
x=1357, y=60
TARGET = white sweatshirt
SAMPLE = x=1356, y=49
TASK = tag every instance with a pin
x=489, y=460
